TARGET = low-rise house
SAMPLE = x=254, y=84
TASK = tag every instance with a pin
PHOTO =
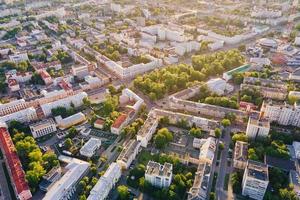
x=159, y=175
x=70, y=121
x=99, y=123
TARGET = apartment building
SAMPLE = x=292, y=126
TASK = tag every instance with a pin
x=240, y=155
x=106, y=182
x=121, y=121
x=46, y=77
x=128, y=154
x=255, y=180
x=208, y=149
x=65, y=187
x=147, y=130
x=268, y=92
x=129, y=96
x=66, y=102
x=12, y=106
x=25, y=115
x=70, y=121
x=199, y=190
x=257, y=127
x=90, y=148
x=145, y=133
x=205, y=109
x=13, y=85
x=281, y=113
x=80, y=71
x=16, y=58
x=296, y=146
x=159, y=175
x=264, y=82
x=50, y=178
x=43, y=128
x=14, y=166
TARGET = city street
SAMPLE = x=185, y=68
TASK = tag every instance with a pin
x=4, y=191
x=223, y=167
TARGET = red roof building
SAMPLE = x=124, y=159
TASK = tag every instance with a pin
x=14, y=166
x=119, y=123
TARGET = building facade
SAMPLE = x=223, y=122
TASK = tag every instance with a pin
x=159, y=175
x=43, y=128
x=255, y=180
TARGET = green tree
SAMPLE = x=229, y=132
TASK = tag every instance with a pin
x=110, y=104
x=68, y=143
x=123, y=192
x=240, y=137
x=225, y=122
x=196, y=132
x=218, y=132
x=162, y=138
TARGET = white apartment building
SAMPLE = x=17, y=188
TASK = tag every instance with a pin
x=80, y=71
x=255, y=180
x=186, y=47
x=25, y=115
x=90, y=148
x=171, y=32
x=283, y=114
x=133, y=70
x=219, y=86
x=296, y=146
x=129, y=95
x=16, y=58
x=145, y=133
x=128, y=154
x=43, y=128
x=240, y=155
x=199, y=190
x=69, y=121
x=76, y=99
x=65, y=187
x=159, y=175
x=102, y=188
x=207, y=150
x=60, y=12
x=257, y=128
x=12, y=106
x=147, y=130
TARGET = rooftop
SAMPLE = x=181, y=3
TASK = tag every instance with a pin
x=241, y=151
x=257, y=170
x=156, y=169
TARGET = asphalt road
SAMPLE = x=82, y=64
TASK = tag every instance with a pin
x=223, y=167
x=4, y=191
